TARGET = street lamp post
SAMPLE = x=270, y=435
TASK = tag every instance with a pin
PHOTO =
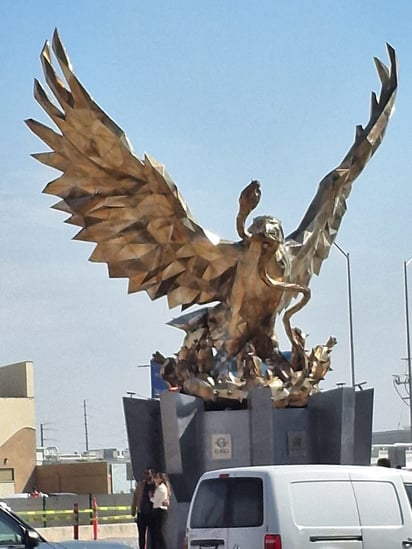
x=408, y=340
x=352, y=351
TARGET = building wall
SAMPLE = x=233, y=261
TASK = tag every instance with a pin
x=17, y=454
x=17, y=425
x=16, y=380
x=78, y=478
x=18, y=471
x=392, y=436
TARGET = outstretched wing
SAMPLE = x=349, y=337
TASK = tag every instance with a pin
x=130, y=208
x=310, y=243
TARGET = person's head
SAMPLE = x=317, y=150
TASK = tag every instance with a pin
x=149, y=474
x=160, y=478
x=383, y=462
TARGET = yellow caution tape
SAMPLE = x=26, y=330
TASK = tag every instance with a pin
x=66, y=514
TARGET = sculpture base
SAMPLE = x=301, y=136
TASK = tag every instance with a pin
x=177, y=434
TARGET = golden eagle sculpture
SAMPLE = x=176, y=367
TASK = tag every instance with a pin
x=144, y=231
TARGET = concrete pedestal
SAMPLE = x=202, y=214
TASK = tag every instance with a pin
x=177, y=434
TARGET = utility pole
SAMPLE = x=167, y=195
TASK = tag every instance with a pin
x=43, y=429
x=349, y=280
x=86, y=432
x=408, y=341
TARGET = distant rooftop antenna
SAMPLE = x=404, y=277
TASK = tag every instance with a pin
x=86, y=431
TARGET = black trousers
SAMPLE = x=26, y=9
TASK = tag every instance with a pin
x=144, y=525
x=159, y=518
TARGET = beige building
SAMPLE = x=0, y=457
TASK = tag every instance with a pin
x=17, y=428
x=18, y=470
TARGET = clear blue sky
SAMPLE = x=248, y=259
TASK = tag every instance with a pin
x=220, y=92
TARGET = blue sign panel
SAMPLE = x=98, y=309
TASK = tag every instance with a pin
x=157, y=382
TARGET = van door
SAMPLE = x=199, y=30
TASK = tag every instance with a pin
x=227, y=512
x=206, y=527
x=384, y=514
x=246, y=524
x=322, y=514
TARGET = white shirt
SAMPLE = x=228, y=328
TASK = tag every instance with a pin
x=159, y=496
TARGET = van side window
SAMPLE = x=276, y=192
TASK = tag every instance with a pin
x=408, y=488
x=323, y=503
x=378, y=503
x=228, y=503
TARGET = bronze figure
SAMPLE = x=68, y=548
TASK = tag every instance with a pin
x=145, y=232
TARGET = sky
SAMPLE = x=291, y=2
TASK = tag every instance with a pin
x=220, y=92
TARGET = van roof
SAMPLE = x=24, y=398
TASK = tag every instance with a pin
x=367, y=471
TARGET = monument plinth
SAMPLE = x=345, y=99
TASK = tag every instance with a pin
x=182, y=435
x=178, y=433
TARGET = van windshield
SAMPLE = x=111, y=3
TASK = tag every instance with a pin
x=228, y=503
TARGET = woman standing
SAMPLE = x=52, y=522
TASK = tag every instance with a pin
x=160, y=502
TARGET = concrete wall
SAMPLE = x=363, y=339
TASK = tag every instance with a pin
x=17, y=425
x=126, y=533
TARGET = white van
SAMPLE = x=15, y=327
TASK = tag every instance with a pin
x=301, y=506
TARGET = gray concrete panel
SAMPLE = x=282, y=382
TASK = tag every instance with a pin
x=144, y=433
x=176, y=524
x=396, y=456
x=262, y=433
x=333, y=414
x=181, y=416
x=293, y=436
x=363, y=426
x=225, y=439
